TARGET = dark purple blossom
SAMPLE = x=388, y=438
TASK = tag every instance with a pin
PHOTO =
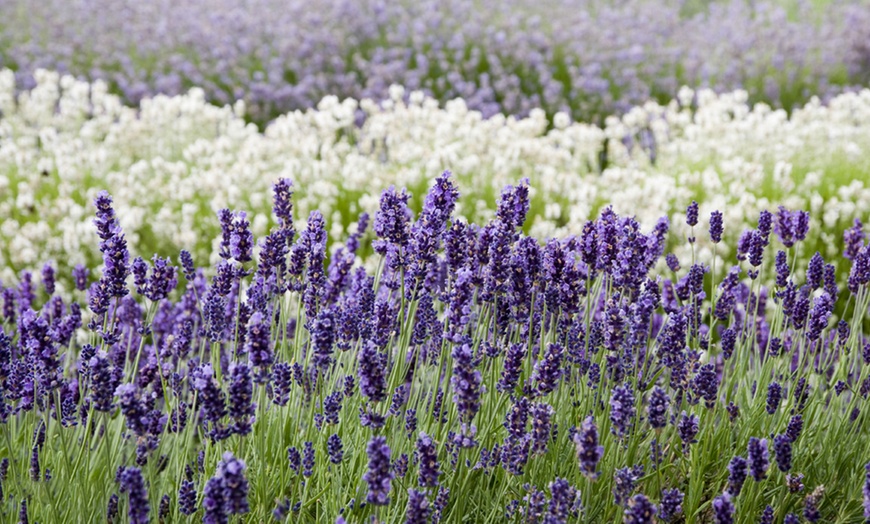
x=671, y=504
x=737, y=471
x=418, y=511
x=466, y=382
x=657, y=408
x=372, y=377
x=716, y=228
x=688, y=429
x=723, y=509
x=133, y=484
x=758, y=456
x=622, y=410
x=589, y=453
x=774, y=396
x=378, y=475
x=640, y=510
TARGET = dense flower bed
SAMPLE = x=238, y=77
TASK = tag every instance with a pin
x=476, y=373
x=173, y=162
x=511, y=57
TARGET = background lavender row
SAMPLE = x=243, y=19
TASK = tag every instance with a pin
x=500, y=56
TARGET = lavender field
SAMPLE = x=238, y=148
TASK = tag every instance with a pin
x=435, y=262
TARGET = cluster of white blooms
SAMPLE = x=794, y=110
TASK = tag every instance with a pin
x=172, y=162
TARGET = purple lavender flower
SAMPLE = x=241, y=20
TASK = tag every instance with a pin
x=758, y=458
x=372, y=378
x=853, y=240
x=378, y=475
x=791, y=518
x=767, y=515
x=513, y=364
x=133, y=484
x=392, y=222
x=48, y=279
x=322, y=338
x=640, y=510
x=692, y=214
x=782, y=450
x=334, y=449
x=214, y=502
x=671, y=505
x=622, y=410
x=795, y=425
x=723, y=509
x=657, y=409
x=737, y=470
x=782, y=269
x=282, y=206
x=308, y=459
x=427, y=457
x=241, y=392
x=549, y=369
x=774, y=396
x=811, y=505
x=418, y=511
x=706, y=384
x=258, y=344
x=564, y=502
x=541, y=415
x=231, y=472
x=187, y=498
x=716, y=228
x=688, y=429
x=624, y=483
x=466, y=382
x=112, y=508
x=589, y=453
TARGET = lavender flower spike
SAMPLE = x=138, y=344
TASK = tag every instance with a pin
x=589, y=453
x=378, y=475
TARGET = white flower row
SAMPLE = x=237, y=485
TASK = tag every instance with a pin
x=173, y=161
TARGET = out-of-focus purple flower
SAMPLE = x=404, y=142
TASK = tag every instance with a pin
x=782, y=269
x=767, y=515
x=671, y=505
x=378, y=475
x=622, y=410
x=853, y=240
x=80, y=276
x=723, y=509
x=112, y=508
x=737, y=470
x=811, y=505
x=589, y=453
x=859, y=274
x=564, y=502
x=133, y=484
x=791, y=518
x=759, y=460
x=231, y=472
x=716, y=228
x=214, y=502
x=795, y=483
x=640, y=510
x=48, y=281
x=706, y=384
x=795, y=425
x=866, y=491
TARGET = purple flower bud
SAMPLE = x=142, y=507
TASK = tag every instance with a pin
x=466, y=382
x=187, y=498
x=671, y=505
x=564, y=502
x=716, y=228
x=767, y=515
x=640, y=510
x=688, y=429
x=372, y=369
x=774, y=396
x=692, y=214
x=866, y=492
x=723, y=509
x=657, y=409
x=853, y=240
x=241, y=392
x=378, y=475
x=112, y=508
x=258, y=344
x=334, y=449
x=418, y=511
x=758, y=458
x=308, y=459
x=214, y=502
x=427, y=457
x=624, y=483
x=549, y=369
x=737, y=470
x=622, y=410
x=795, y=425
x=283, y=204
x=811, y=505
x=782, y=450
x=513, y=366
x=589, y=453
x=133, y=484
